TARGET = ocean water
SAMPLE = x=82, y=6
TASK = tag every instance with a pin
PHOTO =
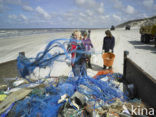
x=9, y=33
x=13, y=41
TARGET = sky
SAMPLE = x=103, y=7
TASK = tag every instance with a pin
x=72, y=13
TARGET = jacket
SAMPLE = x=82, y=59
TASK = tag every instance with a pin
x=78, y=55
x=87, y=43
x=108, y=43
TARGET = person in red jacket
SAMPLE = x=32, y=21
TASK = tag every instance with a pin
x=78, y=57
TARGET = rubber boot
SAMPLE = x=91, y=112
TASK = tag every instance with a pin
x=89, y=64
x=104, y=67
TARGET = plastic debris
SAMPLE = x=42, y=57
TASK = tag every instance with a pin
x=2, y=97
x=30, y=85
x=3, y=87
x=125, y=111
x=38, y=91
x=63, y=98
x=7, y=110
x=13, y=97
x=19, y=82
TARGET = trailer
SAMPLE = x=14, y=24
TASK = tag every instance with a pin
x=148, y=33
x=138, y=83
x=112, y=27
x=127, y=27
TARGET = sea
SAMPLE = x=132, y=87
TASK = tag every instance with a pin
x=9, y=33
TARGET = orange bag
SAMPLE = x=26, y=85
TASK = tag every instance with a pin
x=108, y=59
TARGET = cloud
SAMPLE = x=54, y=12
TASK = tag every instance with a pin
x=148, y=3
x=82, y=14
x=80, y=2
x=27, y=8
x=42, y=12
x=79, y=18
x=89, y=12
x=130, y=10
x=122, y=8
x=118, y=4
x=87, y=3
x=12, y=16
x=16, y=2
x=144, y=15
x=24, y=17
x=92, y=5
x=116, y=17
x=1, y=7
x=18, y=19
x=101, y=8
x=104, y=17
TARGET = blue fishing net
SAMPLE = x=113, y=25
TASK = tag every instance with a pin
x=43, y=59
x=47, y=105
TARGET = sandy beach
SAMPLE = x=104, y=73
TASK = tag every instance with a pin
x=142, y=54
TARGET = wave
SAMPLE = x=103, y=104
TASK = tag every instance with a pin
x=7, y=33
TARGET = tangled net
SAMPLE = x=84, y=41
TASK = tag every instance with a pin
x=48, y=104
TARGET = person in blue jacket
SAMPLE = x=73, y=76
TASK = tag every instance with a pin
x=108, y=43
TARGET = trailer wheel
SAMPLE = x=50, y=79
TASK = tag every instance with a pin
x=147, y=39
x=129, y=90
x=155, y=42
x=142, y=39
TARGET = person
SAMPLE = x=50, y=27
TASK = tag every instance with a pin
x=78, y=57
x=88, y=45
x=108, y=43
x=89, y=32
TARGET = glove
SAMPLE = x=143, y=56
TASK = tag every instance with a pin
x=63, y=98
x=86, y=59
x=67, y=62
x=103, y=52
x=92, y=50
x=72, y=64
x=111, y=50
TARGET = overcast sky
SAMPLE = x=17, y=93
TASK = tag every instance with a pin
x=72, y=13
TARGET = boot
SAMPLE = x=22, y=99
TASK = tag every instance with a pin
x=89, y=64
x=104, y=67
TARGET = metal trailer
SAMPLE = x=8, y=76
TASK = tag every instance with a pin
x=148, y=33
x=112, y=27
x=138, y=83
x=128, y=27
